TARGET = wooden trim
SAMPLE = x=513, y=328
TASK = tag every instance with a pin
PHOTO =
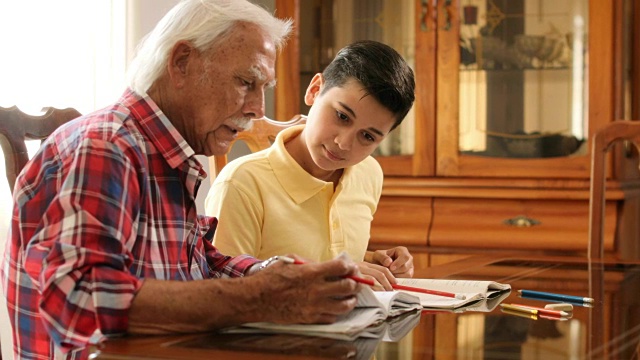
x=635, y=59
x=287, y=90
x=396, y=165
x=568, y=189
x=424, y=158
x=620, y=62
x=448, y=99
x=570, y=167
x=601, y=65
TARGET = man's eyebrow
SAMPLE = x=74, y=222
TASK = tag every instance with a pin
x=259, y=75
x=349, y=110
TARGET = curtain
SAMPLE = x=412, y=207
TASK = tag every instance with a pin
x=64, y=53
x=59, y=53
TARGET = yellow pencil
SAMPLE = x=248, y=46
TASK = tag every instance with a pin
x=519, y=313
x=519, y=309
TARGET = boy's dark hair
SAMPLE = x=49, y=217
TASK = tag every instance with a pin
x=380, y=69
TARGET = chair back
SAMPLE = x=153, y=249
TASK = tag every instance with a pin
x=261, y=135
x=16, y=127
x=602, y=141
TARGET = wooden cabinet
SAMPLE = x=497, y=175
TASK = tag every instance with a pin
x=499, y=140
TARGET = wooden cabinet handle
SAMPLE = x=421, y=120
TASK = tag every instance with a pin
x=521, y=221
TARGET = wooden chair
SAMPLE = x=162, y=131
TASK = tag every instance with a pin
x=602, y=141
x=16, y=127
x=261, y=135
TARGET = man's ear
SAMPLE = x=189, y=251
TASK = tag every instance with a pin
x=180, y=56
x=314, y=89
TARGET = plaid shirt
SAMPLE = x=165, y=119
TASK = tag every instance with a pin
x=107, y=201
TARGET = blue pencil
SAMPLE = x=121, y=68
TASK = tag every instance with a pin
x=551, y=296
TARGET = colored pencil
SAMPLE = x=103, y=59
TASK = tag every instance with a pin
x=543, y=310
x=428, y=291
x=552, y=296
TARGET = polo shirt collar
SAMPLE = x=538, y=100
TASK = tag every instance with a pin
x=295, y=181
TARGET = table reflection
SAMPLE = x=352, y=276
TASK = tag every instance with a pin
x=610, y=329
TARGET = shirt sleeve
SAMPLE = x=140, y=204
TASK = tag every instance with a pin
x=240, y=218
x=78, y=254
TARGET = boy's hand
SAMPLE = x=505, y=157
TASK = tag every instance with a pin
x=398, y=260
x=380, y=274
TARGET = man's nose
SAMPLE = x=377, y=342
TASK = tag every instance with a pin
x=254, y=105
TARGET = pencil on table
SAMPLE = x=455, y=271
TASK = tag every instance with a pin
x=542, y=310
x=552, y=296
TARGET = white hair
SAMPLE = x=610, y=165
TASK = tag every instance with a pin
x=203, y=22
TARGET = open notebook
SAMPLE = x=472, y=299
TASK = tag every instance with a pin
x=365, y=320
x=478, y=294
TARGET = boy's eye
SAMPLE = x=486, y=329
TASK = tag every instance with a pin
x=368, y=137
x=342, y=116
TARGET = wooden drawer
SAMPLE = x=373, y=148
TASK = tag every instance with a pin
x=484, y=223
x=401, y=220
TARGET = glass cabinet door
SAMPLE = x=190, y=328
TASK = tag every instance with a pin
x=527, y=86
x=523, y=78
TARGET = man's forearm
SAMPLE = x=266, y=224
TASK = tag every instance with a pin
x=162, y=307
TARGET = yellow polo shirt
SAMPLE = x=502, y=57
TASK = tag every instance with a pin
x=268, y=205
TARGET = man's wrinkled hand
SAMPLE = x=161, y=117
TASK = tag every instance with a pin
x=307, y=293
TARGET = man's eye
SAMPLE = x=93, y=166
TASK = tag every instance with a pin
x=342, y=116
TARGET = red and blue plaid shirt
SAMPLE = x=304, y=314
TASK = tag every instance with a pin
x=107, y=202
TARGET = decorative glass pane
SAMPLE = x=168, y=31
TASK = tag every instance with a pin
x=523, y=78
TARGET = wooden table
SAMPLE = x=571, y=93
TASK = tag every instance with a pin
x=610, y=329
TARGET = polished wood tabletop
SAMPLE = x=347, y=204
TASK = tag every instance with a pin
x=609, y=329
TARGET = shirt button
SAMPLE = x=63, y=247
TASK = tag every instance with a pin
x=335, y=225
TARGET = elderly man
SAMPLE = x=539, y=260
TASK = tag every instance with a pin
x=105, y=239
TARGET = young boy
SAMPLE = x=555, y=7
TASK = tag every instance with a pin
x=314, y=192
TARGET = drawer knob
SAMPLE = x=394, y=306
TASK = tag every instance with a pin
x=521, y=221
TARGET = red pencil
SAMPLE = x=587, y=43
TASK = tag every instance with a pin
x=352, y=277
x=427, y=291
